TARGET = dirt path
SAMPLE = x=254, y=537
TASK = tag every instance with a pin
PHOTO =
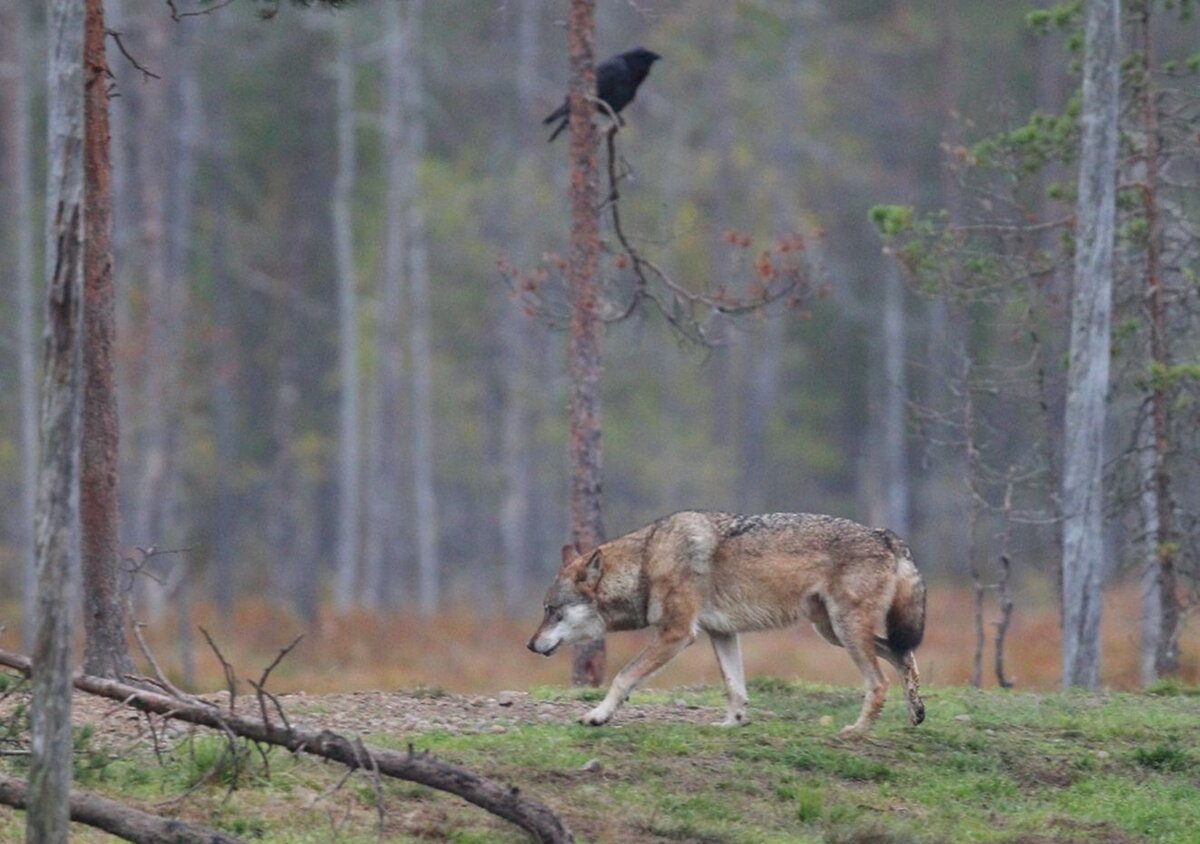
x=392, y=713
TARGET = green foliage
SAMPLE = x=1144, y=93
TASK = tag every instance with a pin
x=892, y=220
x=1164, y=757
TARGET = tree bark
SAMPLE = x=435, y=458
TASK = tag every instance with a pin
x=429, y=574
x=585, y=346
x=57, y=524
x=160, y=317
x=106, y=652
x=118, y=819
x=1087, y=374
x=508, y=803
x=386, y=479
x=515, y=339
x=349, y=443
x=895, y=400
x=1163, y=542
x=14, y=120
x=225, y=357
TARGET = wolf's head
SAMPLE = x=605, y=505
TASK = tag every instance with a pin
x=571, y=615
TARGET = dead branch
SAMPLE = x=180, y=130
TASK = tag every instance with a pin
x=230, y=677
x=146, y=72
x=781, y=274
x=120, y=820
x=177, y=15
x=531, y=815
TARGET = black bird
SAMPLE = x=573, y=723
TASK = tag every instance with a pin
x=617, y=81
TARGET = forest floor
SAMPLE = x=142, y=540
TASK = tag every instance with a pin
x=1002, y=766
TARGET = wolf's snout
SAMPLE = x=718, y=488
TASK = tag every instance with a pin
x=531, y=646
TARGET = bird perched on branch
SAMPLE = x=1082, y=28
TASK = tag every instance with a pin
x=617, y=81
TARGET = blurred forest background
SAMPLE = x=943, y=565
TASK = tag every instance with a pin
x=334, y=401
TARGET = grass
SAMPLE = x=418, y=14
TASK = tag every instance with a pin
x=987, y=766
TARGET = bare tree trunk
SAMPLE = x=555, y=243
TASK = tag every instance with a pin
x=585, y=346
x=180, y=178
x=57, y=527
x=386, y=478
x=14, y=120
x=516, y=422
x=159, y=318
x=349, y=444
x=1087, y=375
x=1151, y=586
x=224, y=360
x=762, y=388
x=106, y=653
x=1163, y=542
x=429, y=572
x=723, y=363
x=895, y=401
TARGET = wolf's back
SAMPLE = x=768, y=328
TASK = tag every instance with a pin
x=906, y=617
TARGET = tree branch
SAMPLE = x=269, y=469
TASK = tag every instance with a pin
x=531, y=815
x=120, y=820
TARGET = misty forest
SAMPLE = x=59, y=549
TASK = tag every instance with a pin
x=325, y=325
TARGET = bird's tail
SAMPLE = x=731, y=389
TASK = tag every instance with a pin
x=558, y=130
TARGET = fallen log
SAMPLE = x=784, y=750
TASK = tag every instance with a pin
x=532, y=815
x=118, y=819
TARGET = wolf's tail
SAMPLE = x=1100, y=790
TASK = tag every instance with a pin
x=906, y=616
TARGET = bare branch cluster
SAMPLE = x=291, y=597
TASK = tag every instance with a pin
x=777, y=278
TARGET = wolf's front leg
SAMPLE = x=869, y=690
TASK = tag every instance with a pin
x=729, y=657
x=655, y=656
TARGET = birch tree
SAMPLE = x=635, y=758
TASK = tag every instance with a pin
x=1087, y=376
x=47, y=817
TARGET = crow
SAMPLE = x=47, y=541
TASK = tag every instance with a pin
x=617, y=81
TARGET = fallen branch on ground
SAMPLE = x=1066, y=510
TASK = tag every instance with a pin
x=531, y=815
x=120, y=820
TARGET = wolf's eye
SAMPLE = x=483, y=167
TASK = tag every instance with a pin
x=554, y=613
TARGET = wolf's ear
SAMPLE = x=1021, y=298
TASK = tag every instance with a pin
x=590, y=575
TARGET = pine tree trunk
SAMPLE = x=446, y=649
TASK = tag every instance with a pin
x=1164, y=605
x=1087, y=375
x=585, y=346
x=106, y=653
x=349, y=444
x=15, y=129
x=57, y=525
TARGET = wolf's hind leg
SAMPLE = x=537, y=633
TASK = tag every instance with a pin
x=729, y=657
x=906, y=666
x=858, y=639
x=668, y=644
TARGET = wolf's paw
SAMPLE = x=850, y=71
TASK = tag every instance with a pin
x=596, y=718
x=852, y=731
x=916, y=713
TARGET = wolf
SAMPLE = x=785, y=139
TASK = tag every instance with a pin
x=727, y=574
